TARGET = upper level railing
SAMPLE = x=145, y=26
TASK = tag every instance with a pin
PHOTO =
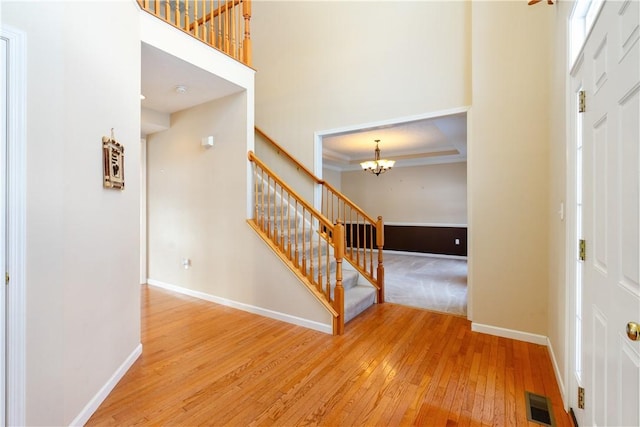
x=364, y=235
x=224, y=25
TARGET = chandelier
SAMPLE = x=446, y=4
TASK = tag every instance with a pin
x=378, y=165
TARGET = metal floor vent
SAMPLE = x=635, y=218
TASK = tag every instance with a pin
x=539, y=409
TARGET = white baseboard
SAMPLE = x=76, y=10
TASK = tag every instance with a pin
x=102, y=394
x=527, y=337
x=509, y=333
x=556, y=370
x=305, y=323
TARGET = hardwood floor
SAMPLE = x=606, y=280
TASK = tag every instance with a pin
x=207, y=364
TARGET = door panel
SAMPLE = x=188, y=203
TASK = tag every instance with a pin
x=600, y=195
x=599, y=369
x=629, y=199
x=629, y=389
x=611, y=182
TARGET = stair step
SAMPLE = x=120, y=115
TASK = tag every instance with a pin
x=349, y=279
x=357, y=299
x=291, y=233
x=275, y=209
x=282, y=223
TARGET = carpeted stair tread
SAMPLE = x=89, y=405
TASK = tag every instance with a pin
x=357, y=299
x=291, y=230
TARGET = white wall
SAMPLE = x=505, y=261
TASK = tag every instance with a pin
x=509, y=165
x=83, y=300
x=333, y=177
x=197, y=210
x=557, y=298
x=434, y=194
x=326, y=65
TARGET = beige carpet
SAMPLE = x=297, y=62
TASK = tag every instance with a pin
x=438, y=284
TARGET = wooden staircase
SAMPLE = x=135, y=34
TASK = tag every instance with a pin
x=297, y=241
x=314, y=245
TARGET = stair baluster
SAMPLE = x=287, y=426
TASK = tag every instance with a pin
x=319, y=244
x=338, y=235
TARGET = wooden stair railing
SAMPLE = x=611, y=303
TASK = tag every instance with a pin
x=302, y=236
x=222, y=24
x=364, y=235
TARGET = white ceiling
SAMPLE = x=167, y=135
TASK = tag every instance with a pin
x=425, y=141
x=162, y=73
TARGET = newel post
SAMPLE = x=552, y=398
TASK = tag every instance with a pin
x=380, y=244
x=246, y=43
x=338, y=294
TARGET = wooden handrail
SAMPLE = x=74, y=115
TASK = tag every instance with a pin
x=311, y=175
x=336, y=206
x=305, y=249
x=325, y=221
x=348, y=201
x=228, y=29
x=285, y=153
x=206, y=18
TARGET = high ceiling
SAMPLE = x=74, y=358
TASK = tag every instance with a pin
x=424, y=141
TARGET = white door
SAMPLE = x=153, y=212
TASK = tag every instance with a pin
x=3, y=226
x=611, y=207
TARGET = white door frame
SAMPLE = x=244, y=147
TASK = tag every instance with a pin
x=317, y=170
x=578, y=30
x=143, y=210
x=581, y=20
x=571, y=244
x=3, y=226
x=16, y=231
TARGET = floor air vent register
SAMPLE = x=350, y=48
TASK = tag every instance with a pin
x=539, y=409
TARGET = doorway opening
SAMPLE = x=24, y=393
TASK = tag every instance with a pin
x=422, y=199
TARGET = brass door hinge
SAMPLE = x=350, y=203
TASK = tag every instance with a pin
x=582, y=106
x=582, y=250
x=581, y=397
x=6, y=278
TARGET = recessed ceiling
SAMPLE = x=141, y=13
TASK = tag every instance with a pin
x=426, y=141
x=162, y=73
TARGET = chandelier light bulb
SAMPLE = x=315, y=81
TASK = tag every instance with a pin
x=377, y=165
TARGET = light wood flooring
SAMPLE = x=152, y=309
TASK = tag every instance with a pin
x=205, y=364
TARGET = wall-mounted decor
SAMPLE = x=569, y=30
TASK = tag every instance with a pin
x=113, y=163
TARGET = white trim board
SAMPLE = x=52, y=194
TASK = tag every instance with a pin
x=104, y=391
x=425, y=224
x=530, y=338
x=556, y=371
x=4, y=77
x=509, y=333
x=294, y=320
x=394, y=121
x=16, y=217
